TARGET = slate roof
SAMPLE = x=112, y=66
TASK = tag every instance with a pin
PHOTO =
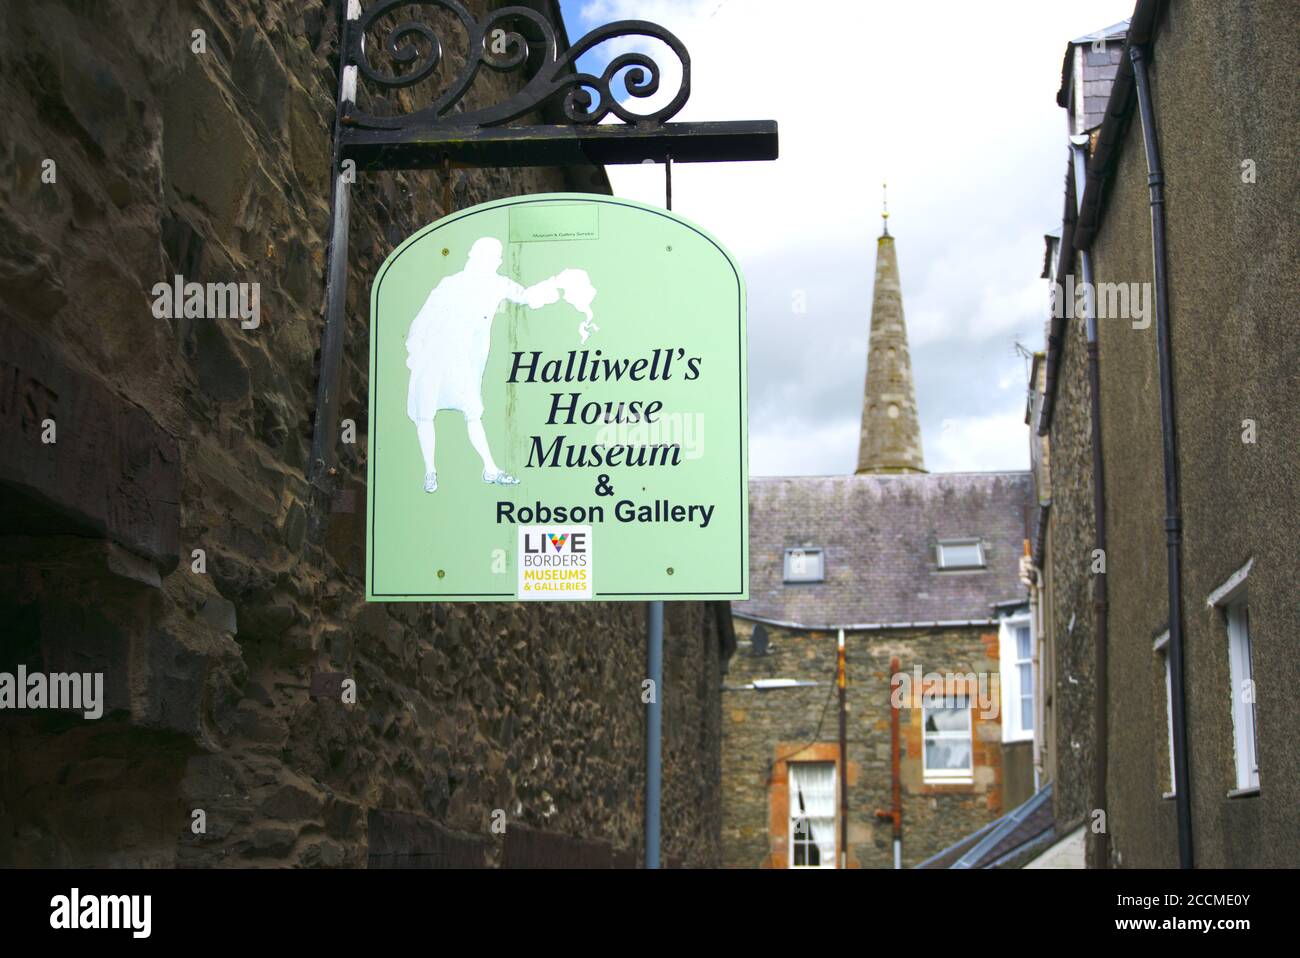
x=1105, y=33
x=878, y=534
x=1114, y=32
x=1009, y=841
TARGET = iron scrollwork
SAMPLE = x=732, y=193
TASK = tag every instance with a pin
x=584, y=97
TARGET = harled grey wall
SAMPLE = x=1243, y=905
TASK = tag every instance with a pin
x=1224, y=91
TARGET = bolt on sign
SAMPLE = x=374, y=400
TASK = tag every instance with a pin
x=558, y=408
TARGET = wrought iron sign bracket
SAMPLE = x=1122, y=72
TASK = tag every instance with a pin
x=604, y=144
x=448, y=130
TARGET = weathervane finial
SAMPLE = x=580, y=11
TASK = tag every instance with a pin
x=884, y=206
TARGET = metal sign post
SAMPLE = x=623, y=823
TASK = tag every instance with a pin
x=654, y=660
x=654, y=667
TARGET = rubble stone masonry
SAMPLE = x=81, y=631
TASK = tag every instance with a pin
x=176, y=435
x=764, y=730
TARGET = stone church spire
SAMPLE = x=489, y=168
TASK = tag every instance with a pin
x=890, y=440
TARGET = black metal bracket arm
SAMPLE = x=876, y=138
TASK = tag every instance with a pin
x=444, y=131
x=605, y=144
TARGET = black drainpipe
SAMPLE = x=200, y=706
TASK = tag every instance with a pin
x=1173, y=511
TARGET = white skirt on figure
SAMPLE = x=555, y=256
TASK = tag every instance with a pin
x=447, y=346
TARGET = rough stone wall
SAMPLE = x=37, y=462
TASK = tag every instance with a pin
x=1136, y=561
x=222, y=686
x=761, y=727
x=1069, y=583
x=1223, y=92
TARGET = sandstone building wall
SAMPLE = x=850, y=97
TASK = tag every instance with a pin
x=177, y=435
x=1068, y=587
x=764, y=730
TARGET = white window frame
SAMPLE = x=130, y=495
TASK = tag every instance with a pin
x=979, y=551
x=1232, y=599
x=1244, y=718
x=1161, y=648
x=793, y=816
x=810, y=551
x=1013, y=729
x=951, y=776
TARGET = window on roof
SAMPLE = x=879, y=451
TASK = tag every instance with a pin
x=805, y=565
x=961, y=554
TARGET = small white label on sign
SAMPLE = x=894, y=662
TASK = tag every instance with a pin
x=553, y=223
x=554, y=563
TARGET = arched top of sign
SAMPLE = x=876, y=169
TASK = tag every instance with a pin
x=558, y=198
x=504, y=40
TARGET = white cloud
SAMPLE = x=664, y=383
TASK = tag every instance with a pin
x=985, y=443
x=954, y=103
x=790, y=449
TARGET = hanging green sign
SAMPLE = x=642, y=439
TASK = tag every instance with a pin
x=558, y=408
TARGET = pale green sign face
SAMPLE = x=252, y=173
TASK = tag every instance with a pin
x=558, y=408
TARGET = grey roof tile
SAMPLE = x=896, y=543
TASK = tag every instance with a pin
x=1106, y=33
x=878, y=534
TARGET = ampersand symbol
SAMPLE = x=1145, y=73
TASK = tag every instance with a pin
x=603, y=488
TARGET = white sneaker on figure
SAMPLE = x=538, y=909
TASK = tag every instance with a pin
x=500, y=478
x=430, y=482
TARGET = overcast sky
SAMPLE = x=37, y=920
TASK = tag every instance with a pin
x=954, y=103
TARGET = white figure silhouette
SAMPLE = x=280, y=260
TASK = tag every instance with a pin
x=449, y=339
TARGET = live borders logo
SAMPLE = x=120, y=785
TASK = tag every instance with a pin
x=78, y=911
x=554, y=562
